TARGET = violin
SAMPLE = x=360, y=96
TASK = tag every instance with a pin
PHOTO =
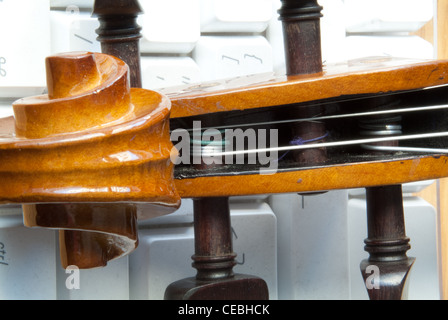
x=99, y=152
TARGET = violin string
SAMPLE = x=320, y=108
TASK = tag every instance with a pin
x=328, y=117
x=336, y=144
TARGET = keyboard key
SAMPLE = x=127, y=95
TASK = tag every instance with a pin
x=6, y=108
x=392, y=46
x=225, y=57
x=87, y=4
x=165, y=250
x=107, y=283
x=162, y=257
x=73, y=30
x=332, y=26
x=312, y=246
x=254, y=228
x=27, y=259
x=387, y=16
x=274, y=35
x=421, y=219
x=161, y=72
x=25, y=43
x=169, y=26
x=235, y=15
x=332, y=34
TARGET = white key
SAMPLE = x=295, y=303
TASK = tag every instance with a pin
x=161, y=72
x=421, y=228
x=6, y=108
x=25, y=43
x=73, y=30
x=235, y=15
x=226, y=57
x=106, y=283
x=393, y=46
x=387, y=15
x=183, y=215
x=254, y=228
x=162, y=257
x=88, y=4
x=27, y=259
x=332, y=31
x=312, y=245
x=164, y=254
x=169, y=26
x=274, y=34
x=332, y=34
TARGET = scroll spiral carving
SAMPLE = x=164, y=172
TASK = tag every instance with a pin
x=90, y=158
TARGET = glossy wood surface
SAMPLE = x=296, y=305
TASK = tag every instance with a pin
x=365, y=76
x=119, y=33
x=80, y=149
x=90, y=158
x=387, y=245
x=100, y=141
x=318, y=179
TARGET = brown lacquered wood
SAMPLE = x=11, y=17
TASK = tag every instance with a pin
x=119, y=33
x=301, y=36
x=365, y=76
x=386, y=244
x=356, y=175
x=303, y=55
x=214, y=260
x=89, y=158
x=91, y=234
x=115, y=145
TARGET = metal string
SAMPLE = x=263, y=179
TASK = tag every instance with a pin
x=342, y=143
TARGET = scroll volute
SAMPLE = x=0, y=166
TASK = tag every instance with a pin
x=89, y=158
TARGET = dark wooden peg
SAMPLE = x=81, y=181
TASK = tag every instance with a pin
x=387, y=269
x=301, y=32
x=214, y=260
x=119, y=33
x=303, y=55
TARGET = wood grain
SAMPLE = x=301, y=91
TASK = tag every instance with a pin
x=319, y=179
x=105, y=144
x=365, y=76
x=78, y=157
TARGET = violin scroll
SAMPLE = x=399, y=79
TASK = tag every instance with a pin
x=89, y=158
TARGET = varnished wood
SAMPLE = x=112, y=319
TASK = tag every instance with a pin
x=77, y=157
x=214, y=260
x=102, y=155
x=364, y=76
x=319, y=179
x=90, y=234
x=70, y=77
x=387, y=245
x=370, y=76
x=119, y=33
x=303, y=55
x=301, y=34
x=442, y=29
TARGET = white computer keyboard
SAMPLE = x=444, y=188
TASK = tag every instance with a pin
x=304, y=247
